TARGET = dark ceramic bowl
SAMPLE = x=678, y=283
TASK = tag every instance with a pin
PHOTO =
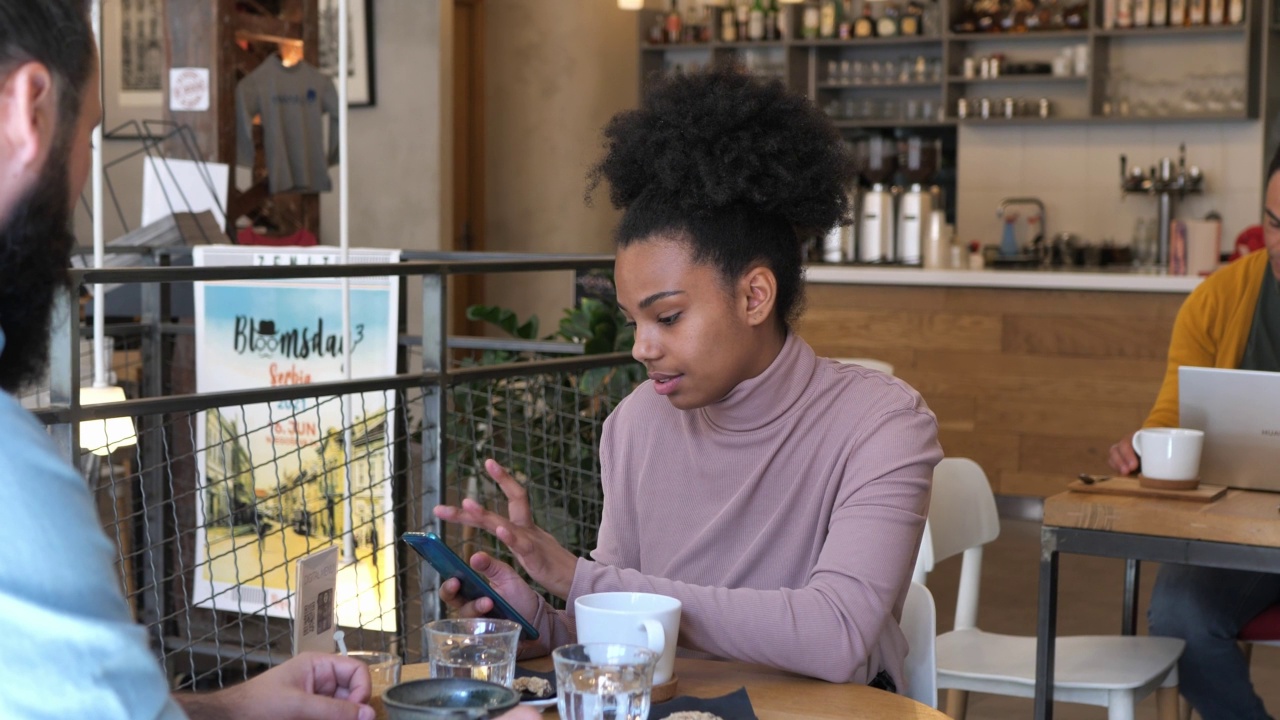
x=448, y=699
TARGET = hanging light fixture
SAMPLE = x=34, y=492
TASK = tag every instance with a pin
x=100, y=437
x=631, y=4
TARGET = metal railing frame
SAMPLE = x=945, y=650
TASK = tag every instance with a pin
x=65, y=412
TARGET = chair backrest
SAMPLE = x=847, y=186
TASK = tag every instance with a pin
x=920, y=625
x=962, y=518
x=881, y=365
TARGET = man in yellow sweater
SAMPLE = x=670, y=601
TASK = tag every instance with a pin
x=1232, y=320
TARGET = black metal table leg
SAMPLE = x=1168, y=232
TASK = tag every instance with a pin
x=1129, y=621
x=1046, y=623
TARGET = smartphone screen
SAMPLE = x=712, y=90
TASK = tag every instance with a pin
x=447, y=563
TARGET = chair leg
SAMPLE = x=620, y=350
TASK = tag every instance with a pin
x=1121, y=705
x=1167, y=703
x=957, y=703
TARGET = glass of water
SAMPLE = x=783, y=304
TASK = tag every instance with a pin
x=476, y=648
x=604, y=681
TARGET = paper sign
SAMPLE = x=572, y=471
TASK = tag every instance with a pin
x=313, y=604
x=189, y=89
x=174, y=186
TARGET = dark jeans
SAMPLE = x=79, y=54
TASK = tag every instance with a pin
x=1206, y=607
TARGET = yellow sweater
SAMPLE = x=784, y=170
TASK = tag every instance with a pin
x=1212, y=328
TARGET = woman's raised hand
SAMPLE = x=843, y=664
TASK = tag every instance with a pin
x=549, y=564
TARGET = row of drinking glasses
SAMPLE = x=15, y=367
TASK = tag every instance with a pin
x=919, y=69
x=1204, y=93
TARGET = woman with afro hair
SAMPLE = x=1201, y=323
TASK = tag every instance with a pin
x=778, y=495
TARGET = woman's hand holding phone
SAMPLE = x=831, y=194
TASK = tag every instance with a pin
x=503, y=578
x=549, y=564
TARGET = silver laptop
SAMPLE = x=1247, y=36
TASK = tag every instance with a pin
x=1239, y=412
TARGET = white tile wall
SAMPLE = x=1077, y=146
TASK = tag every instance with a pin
x=1075, y=170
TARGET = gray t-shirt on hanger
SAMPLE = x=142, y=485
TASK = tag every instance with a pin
x=291, y=101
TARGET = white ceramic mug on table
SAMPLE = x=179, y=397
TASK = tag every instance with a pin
x=1169, y=453
x=631, y=618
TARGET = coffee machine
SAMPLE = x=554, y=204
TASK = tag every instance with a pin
x=878, y=159
x=919, y=167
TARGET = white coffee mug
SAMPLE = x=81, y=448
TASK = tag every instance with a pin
x=1169, y=453
x=632, y=618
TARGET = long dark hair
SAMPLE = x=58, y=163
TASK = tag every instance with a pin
x=736, y=166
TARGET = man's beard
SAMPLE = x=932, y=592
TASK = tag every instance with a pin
x=35, y=250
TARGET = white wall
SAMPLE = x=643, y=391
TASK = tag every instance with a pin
x=1075, y=170
x=397, y=147
x=552, y=81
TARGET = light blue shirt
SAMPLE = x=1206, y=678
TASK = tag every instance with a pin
x=71, y=648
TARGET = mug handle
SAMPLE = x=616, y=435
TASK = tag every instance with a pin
x=1134, y=442
x=656, y=635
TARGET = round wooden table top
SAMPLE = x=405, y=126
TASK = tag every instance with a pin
x=775, y=695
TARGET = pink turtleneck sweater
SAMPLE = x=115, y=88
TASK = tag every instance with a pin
x=785, y=517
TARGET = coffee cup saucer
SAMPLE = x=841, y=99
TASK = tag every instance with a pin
x=1157, y=484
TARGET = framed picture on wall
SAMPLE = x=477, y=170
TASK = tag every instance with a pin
x=360, y=75
x=133, y=63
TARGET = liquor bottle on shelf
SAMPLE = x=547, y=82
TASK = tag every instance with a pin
x=728, y=26
x=1177, y=13
x=844, y=29
x=771, y=21
x=1124, y=13
x=1235, y=11
x=986, y=15
x=1016, y=20
x=1076, y=15
x=827, y=20
x=1196, y=12
x=658, y=31
x=865, y=25
x=811, y=21
x=887, y=25
x=674, y=23
x=742, y=11
x=755, y=21
x=1217, y=12
x=1159, y=13
x=912, y=19
x=1141, y=13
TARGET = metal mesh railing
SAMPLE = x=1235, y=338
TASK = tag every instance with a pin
x=545, y=429
x=222, y=493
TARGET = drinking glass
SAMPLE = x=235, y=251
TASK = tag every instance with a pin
x=476, y=648
x=603, y=681
x=384, y=671
x=858, y=72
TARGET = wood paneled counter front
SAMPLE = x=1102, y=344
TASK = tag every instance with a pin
x=1032, y=383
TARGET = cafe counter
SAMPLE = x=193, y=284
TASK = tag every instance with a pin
x=1033, y=374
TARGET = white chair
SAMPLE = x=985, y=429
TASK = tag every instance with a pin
x=881, y=365
x=920, y=625
x=1115, y=672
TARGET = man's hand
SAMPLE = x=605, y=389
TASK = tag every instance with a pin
x=539, y=554
x=310, y=686
x=1122, y=458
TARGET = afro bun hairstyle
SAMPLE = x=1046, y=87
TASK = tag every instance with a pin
x=738, y=167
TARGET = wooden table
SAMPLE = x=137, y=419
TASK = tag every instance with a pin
x=1239, y=530
x=775, y=695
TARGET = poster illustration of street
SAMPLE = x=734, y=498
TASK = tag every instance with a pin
x=281, y=480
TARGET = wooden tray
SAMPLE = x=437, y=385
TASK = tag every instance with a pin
x=1129, y=486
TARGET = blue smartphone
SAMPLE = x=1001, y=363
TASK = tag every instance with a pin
x=449, y=565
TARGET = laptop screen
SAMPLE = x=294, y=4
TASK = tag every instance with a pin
x=1239, y=412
